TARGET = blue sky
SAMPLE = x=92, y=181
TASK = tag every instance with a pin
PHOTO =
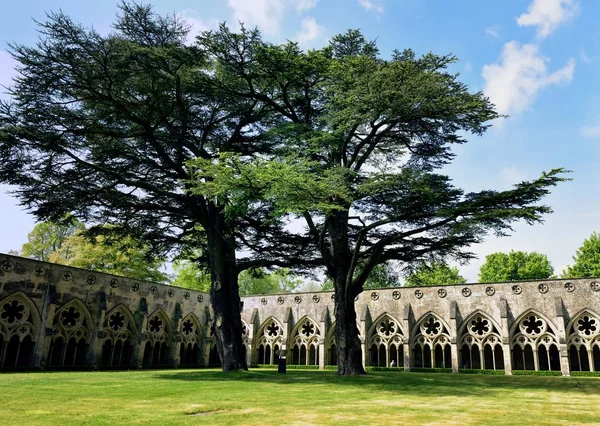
x=538, y=61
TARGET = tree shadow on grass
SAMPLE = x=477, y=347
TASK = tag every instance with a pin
x=417, y=384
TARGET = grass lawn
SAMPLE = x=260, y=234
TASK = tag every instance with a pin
x=299, y=397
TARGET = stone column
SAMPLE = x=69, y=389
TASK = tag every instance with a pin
x=453, y=337
x=562, y=338
x=138, y=350
x=505, y=336
x=407, y=354
x=97, y=340
x=407, y=349
x=44, y=338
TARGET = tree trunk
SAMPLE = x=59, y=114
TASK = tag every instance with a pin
x=224, y=294
x=349, y=353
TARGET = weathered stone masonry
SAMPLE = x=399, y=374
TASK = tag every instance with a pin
x=53, y=316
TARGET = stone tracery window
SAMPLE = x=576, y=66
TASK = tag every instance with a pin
x=480, y=344
x=71, y=336
x=305, y=343
x=583, y=342
x=386, y=343
x=431, y=343
x=191, y=335
x=119, y=330
x=156, y=350
x=269, y=343
x=17, y=331
x=534, y=344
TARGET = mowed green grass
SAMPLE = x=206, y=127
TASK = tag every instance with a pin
x=298, y=397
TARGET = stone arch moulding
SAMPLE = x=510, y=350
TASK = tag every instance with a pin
x=192, y=334
x=430, y=342
x=268, y=341
x=71, y=335
x=303, y=342
x=480, y=343
x=534, y=342
x=20, y=324
x=118, y=336
x=157, y=339
x=385, y=342
x=583, y=341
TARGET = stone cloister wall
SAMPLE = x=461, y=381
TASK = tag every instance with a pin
x=53, y=316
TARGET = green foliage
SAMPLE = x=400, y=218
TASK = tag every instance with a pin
x=516, y=265
x=189, y=275
x=587, y=259
x=585, y=373
x=479, y=371
x=259, y=281
x=113, y=254
x=536, y=373
x=47, y=237
x=382, y=276
x=392, y=369
x=438, y=273
x=431, y=370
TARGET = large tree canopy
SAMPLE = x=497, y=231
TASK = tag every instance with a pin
x=103, y=127
x=362, y=141
x=516, y=265
x=587, y=259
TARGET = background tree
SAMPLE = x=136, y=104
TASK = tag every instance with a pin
x=382, y=276
x=188, y=274
x=113, y=254
x=587, y=259
x=438, y=273
x=374, y=131
x=47, y=237
x=516, y=265
x=259, y=281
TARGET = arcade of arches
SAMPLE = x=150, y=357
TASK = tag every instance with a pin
x=56, y=317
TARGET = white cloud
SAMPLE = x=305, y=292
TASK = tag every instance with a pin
x=468, y=67
x=547, y=15
x=302, y=5
x=371, y=5
x=592, y=132
x=197, y=24
x=584, y=57
x=267, y=15
x=493, y=31
x=309, y=32
x=515, y=80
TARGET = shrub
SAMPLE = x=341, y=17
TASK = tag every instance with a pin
x=536, y=373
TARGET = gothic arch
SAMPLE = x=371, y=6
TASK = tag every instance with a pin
x=269, y=341
x=191, y=339
x=158, y=336
x=583, y=341
x=71, y=335
x=431, y=342
x=534, y=342
x=479, y=343
x=385, y=342
x=19, y=326
x=119, y=330
x=304, y=342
